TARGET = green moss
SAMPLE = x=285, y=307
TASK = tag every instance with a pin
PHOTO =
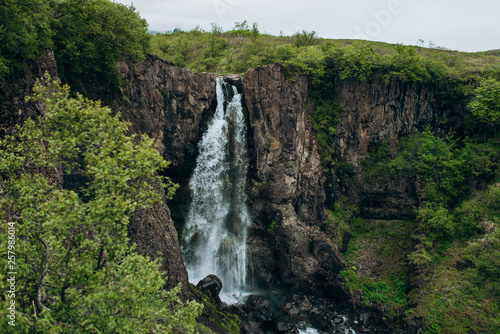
x=391, y=293
x=378, y=274
x=340, y=221
x=213, y=319
x=271, y=226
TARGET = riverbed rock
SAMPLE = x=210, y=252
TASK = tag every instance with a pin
x=211, y=286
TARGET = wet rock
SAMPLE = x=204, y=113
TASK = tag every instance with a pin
x=338, y=320
x=211, y=286
x=364, y=318
x=305, y=305
x=256, y=316
x=284, y=327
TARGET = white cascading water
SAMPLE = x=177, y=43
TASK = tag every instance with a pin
x=214, y=238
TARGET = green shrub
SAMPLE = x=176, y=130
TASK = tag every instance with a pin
x=485, y=104
x=406, y=65
x=375, y=164
x=304, y=38
x=355, y=60
x=325, y=119
x=435, y=220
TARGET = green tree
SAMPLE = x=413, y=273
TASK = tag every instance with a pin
x=407, y=65
x=91, y=36
x=352, y=61
x=76, y=269
x=24, y=31
x=485, y=104
x=304, y=38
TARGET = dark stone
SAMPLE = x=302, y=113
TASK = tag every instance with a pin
x=211, y=286
x=338, y=320
x=284, y=327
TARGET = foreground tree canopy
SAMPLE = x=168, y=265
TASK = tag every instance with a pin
x=76, y=269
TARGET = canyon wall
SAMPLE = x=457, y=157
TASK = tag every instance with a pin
x=286, y=186
x=376, y=113
x=170, y=105
x=286, y=193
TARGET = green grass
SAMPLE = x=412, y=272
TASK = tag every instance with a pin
x=240, y=49
x=378, y=271
x=461, y=298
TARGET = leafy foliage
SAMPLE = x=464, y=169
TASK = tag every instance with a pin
x=352, y=61
x=325, y=118
x=485, y=105
x=91, y=36
x=24, y=31
x=464, y=294
x=88, y=38
x=304, y=38
x=455, y=232
x=342, y=221
x=76, y=268
x=443, y=167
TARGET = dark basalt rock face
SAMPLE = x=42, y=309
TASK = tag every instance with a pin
x=170, y=105
x=210, y=286
x=15, y=86
x=379, y=113
x=286, y=195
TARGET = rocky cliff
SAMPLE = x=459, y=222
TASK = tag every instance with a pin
x=286, y=186
x=171, y=105
x=15, y=86
x=380, y=113
x=286, y=191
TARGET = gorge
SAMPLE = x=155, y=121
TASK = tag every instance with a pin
x=254, y=195
x=239, y=182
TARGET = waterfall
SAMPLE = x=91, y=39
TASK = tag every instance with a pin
x=214, y=238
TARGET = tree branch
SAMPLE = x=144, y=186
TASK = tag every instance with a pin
x=38, y=282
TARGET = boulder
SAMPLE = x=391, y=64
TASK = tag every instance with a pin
x=211, y=286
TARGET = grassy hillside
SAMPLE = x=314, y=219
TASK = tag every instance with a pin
x=245, y=47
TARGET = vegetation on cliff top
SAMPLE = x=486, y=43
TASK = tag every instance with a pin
x=244, y=47
x=88, y=37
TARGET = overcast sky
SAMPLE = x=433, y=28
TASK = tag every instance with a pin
x=463, y=25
